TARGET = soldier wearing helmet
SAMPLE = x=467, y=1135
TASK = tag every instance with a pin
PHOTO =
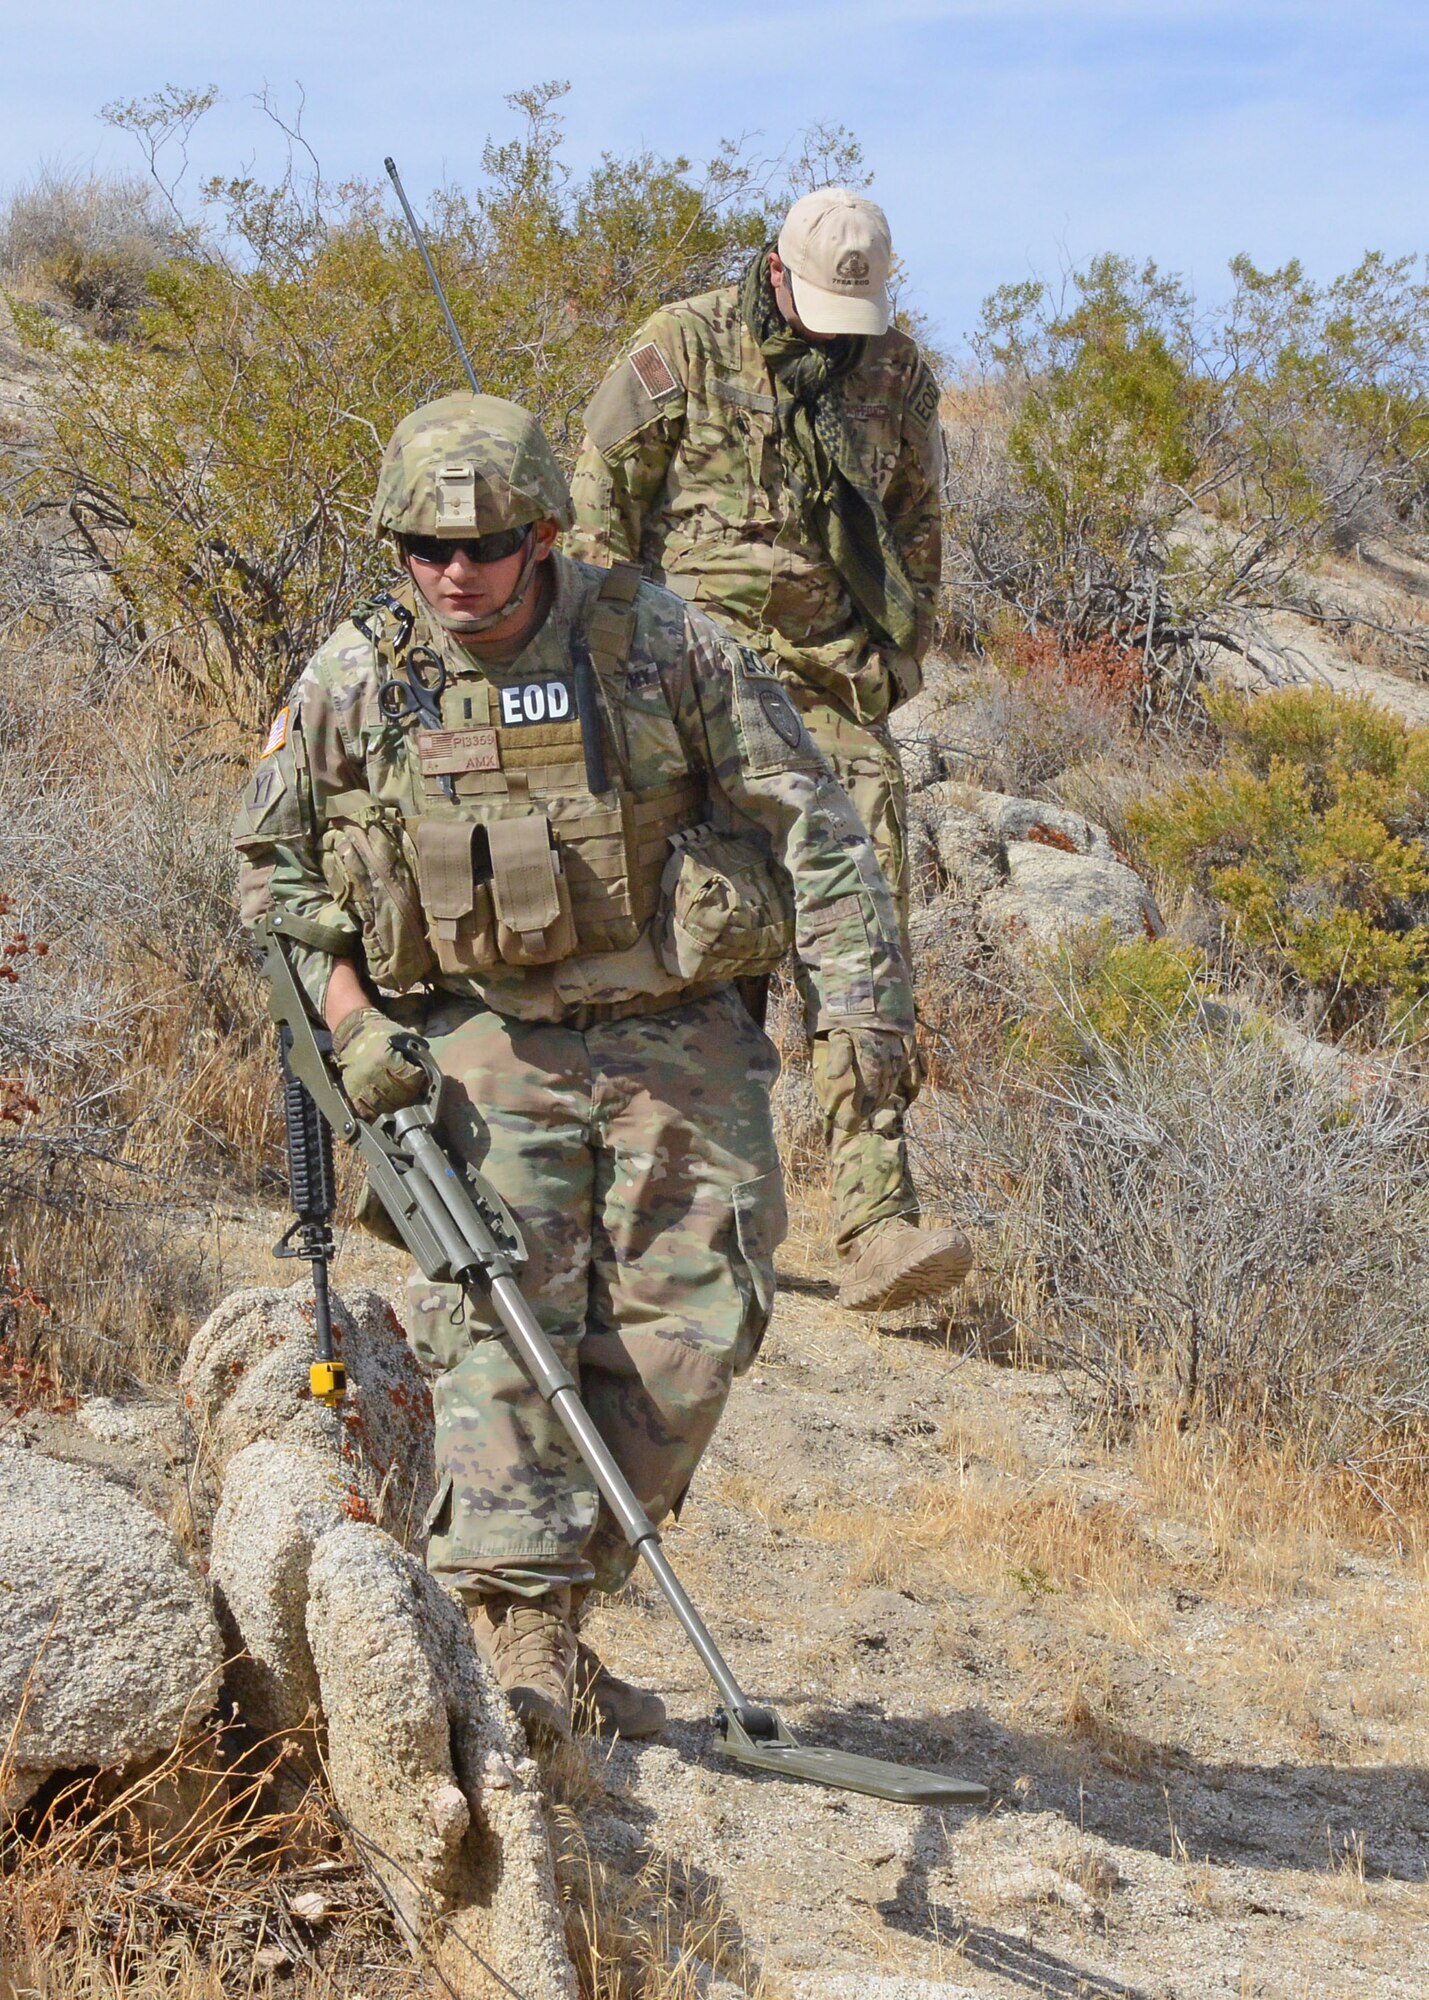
x=772, y=452
x=546, y=814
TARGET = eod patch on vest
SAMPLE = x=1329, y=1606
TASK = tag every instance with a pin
x=526, y=702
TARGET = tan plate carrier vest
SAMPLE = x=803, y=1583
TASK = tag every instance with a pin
x=526, y=866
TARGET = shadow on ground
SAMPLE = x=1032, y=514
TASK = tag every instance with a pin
x=1305, y=1817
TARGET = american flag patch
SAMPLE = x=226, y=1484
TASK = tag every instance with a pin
x=654, y=371
x=277, y=735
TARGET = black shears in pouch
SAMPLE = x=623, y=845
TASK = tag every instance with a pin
x=417, y=694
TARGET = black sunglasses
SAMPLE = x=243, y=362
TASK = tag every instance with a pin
x=439, y=549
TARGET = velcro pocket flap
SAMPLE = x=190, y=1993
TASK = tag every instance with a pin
x=761, y=1222
x=523, y=873
x=444, y=863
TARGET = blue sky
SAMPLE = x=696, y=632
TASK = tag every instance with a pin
x=1005, y=139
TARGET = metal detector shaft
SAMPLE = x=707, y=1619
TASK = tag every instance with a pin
x=457, y=342
x=748, y=1732
x=558, y=1387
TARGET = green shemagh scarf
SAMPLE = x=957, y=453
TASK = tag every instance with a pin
x=848, y=521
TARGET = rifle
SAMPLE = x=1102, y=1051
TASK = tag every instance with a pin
x=460, y=1231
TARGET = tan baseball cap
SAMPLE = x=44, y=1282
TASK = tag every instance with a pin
x=837, y=249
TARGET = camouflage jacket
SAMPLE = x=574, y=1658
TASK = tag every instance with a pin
x=682, y=472
x=690, y=714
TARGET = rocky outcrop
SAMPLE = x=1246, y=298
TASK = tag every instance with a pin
x=333, y=1622
x=245, y=1377
x=278, y=1501
x=1035, y=873
x=431, y=1765
x=109, y=1654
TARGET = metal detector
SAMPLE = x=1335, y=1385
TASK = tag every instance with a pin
x=460, y=1231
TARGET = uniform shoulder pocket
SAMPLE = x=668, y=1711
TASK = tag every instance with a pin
x=638, y=391
x=771, y=730
x=270, y=808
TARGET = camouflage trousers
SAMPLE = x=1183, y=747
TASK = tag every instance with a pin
x=638, y=1158
x=869, y=1163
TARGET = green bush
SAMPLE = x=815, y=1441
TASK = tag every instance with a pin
x=1142, y=467
x=220, y=461
x=1309, y=839
x=1104, y=992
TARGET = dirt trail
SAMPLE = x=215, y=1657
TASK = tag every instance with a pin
x=1204, y=1721
x=1198, y=1787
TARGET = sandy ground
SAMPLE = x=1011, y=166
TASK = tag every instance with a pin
x=1196, y=1788
x=1203, y=1725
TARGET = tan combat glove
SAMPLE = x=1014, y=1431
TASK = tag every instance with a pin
x=376, y=1076
x=871, y=1069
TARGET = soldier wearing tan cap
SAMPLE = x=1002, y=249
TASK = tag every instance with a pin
x=771, y=451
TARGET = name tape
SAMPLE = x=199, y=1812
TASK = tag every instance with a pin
x=448, y=752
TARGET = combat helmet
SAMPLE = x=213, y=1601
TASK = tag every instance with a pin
x=468, y=465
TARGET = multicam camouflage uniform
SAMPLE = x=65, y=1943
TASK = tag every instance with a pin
x=682, y=471
x=610, y=1083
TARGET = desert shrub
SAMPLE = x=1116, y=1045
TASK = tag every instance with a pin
x=1194, y=1226
x=137, y=1062
x=1104, y=992
x=1137, y=467
x=1031, y=709
x=219, y=465
x=1308, y=838
x=91, y=241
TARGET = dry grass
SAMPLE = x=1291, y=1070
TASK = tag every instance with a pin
x=655, y=1933
x=217, y=1874
x=1192, y=1225
x=140, y=1032
x=206, y=1876
x=1014, y=730
x=991, y=1537
x=1272, y=1526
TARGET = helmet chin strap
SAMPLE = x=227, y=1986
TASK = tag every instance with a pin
x=467, y=628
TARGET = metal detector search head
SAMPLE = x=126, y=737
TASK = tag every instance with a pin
x=783, y=1754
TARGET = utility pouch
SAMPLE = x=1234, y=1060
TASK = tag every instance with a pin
x=724, y=911
x=458, y=906
x=534, y=925
x=367, y=865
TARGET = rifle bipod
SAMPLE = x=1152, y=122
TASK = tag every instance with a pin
x=460, y=1232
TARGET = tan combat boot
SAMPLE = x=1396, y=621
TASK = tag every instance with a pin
x=603, y=1702
x=615, y=1707
x=530, y=1647
x=893, y=1264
